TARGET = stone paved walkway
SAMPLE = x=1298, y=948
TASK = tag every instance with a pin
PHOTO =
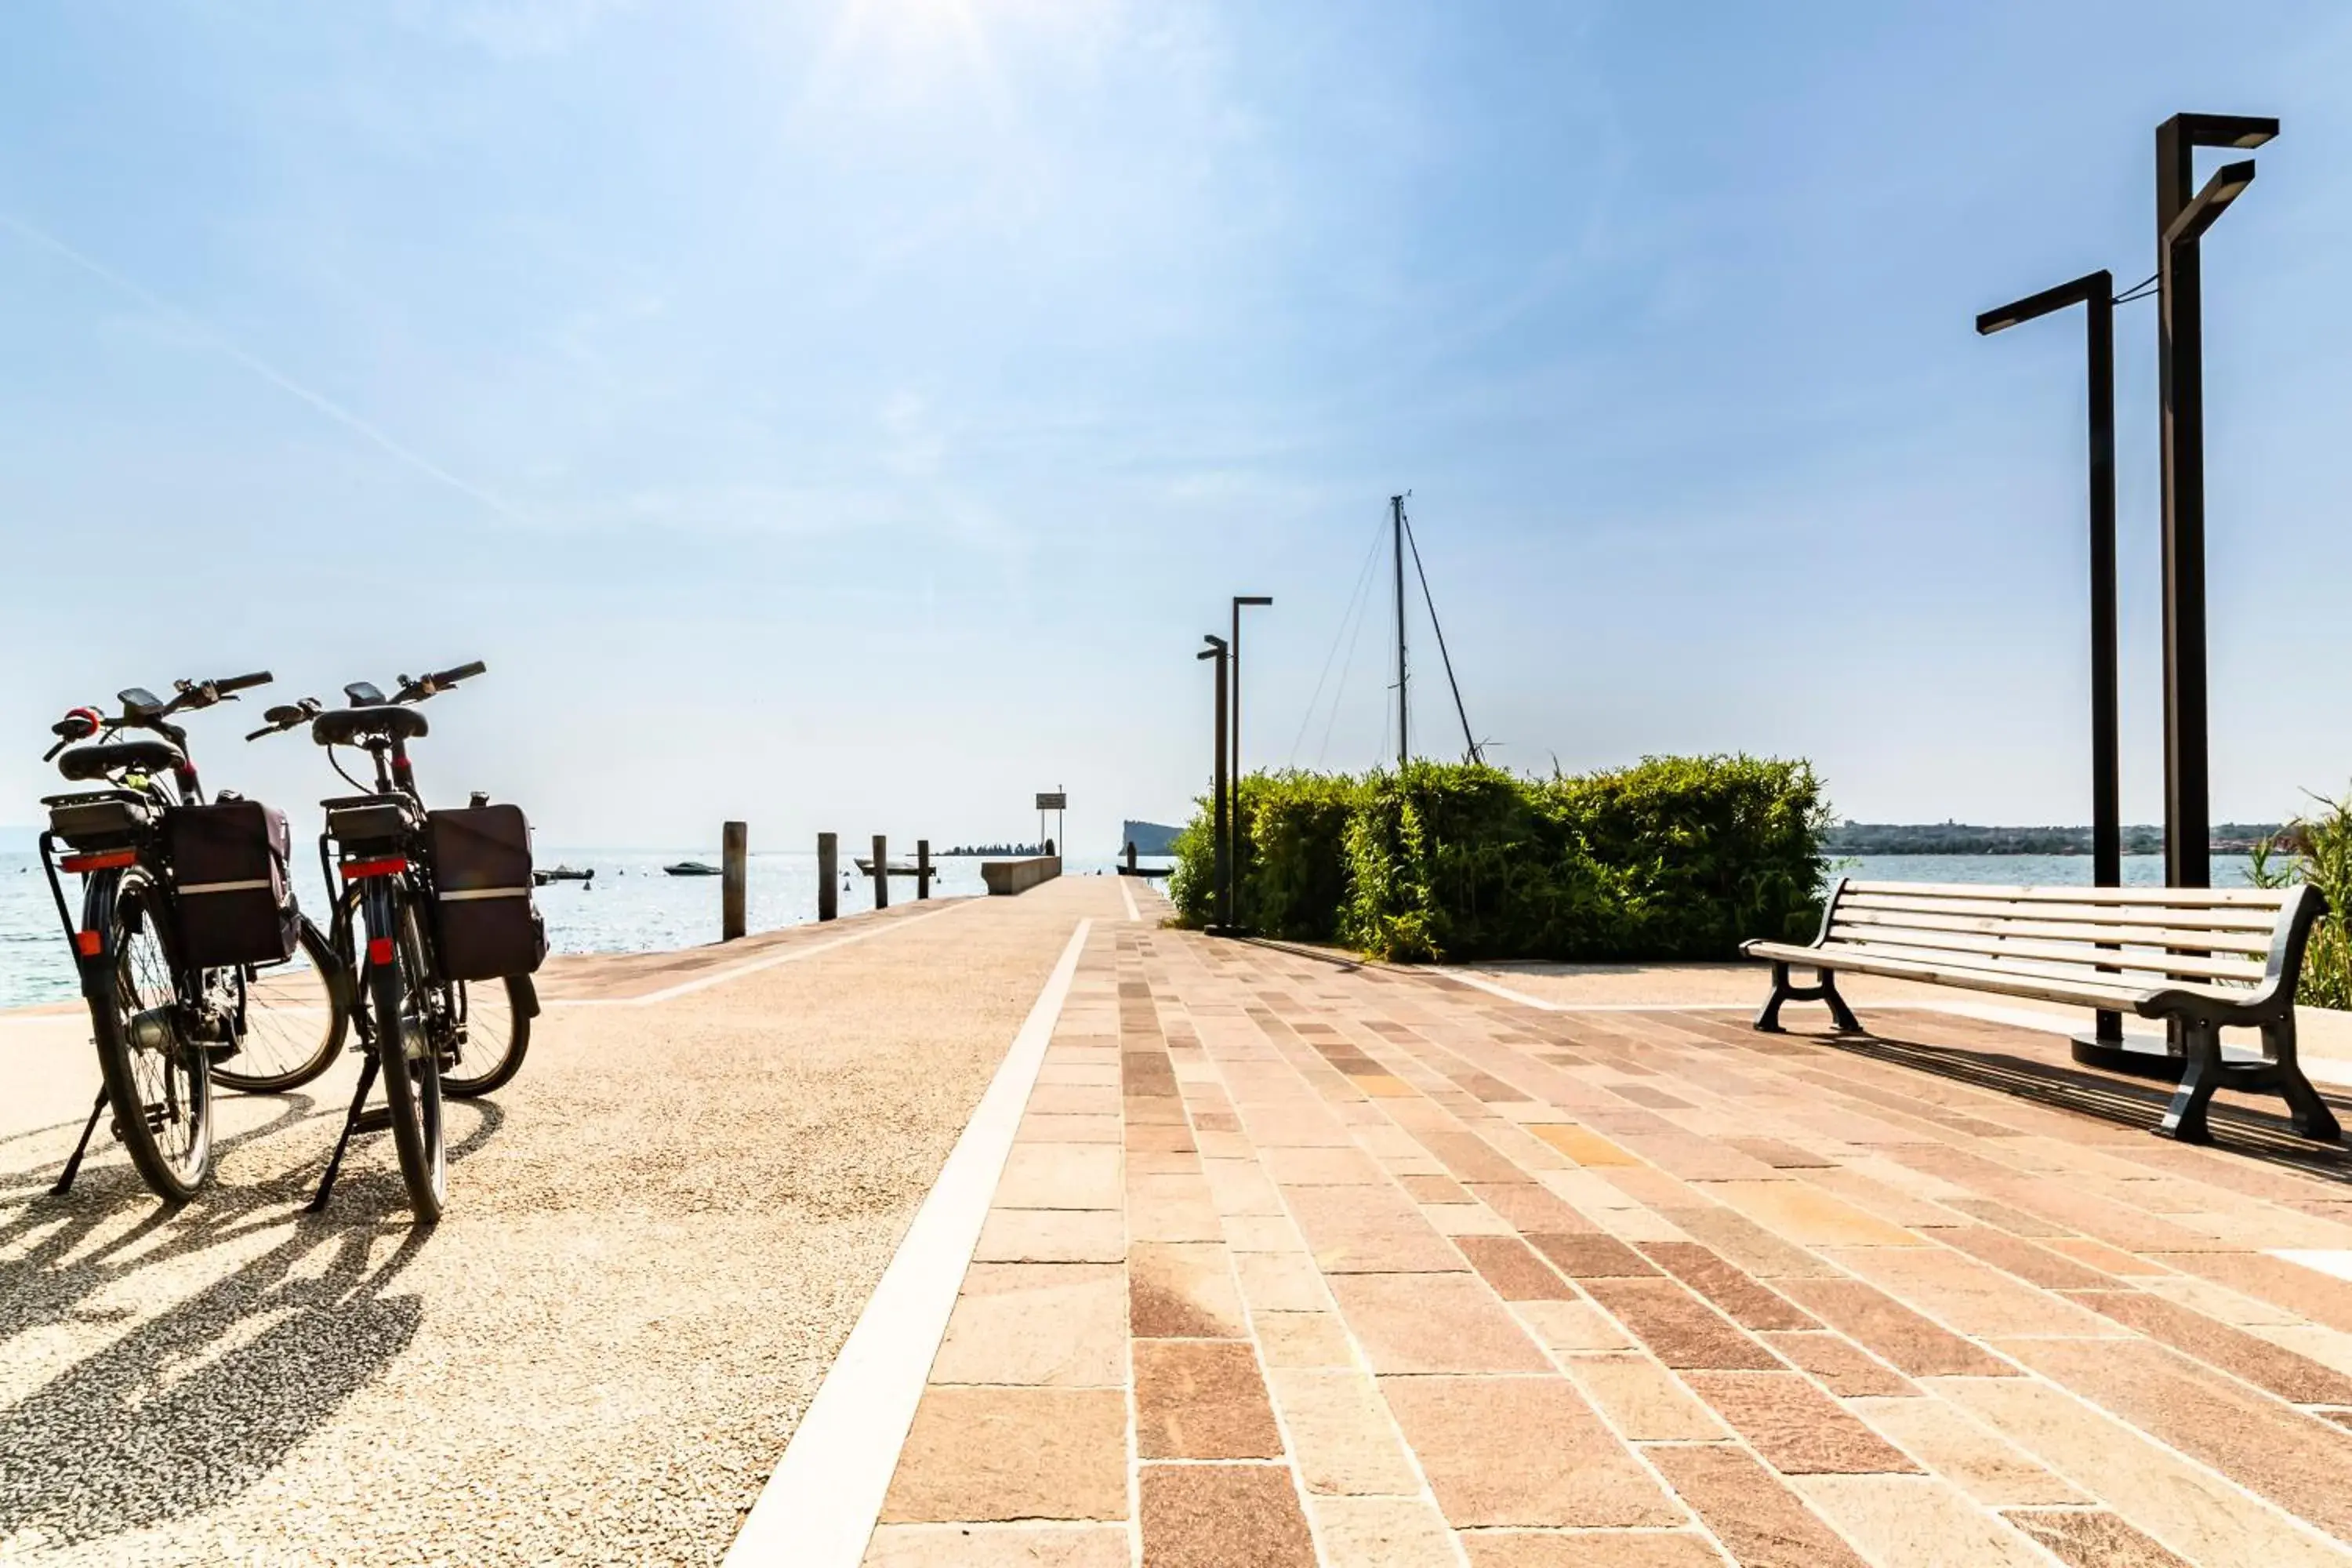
x=1300, y=1263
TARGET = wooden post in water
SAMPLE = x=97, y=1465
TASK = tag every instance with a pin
x=737, y=849
x=828, y=876
x=922, y=868
x=881, y=872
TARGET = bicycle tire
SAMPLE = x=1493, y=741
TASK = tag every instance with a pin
x=152, y=1090
x=412, y=1083
x=330, y=985
x=492, y=1073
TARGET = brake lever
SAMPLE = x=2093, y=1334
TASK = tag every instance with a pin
x=50, y=755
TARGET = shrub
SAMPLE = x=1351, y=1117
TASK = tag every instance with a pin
x=1675, y=858
x=2318, y=849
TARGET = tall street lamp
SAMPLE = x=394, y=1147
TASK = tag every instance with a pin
x=2096, y=293
x=1220, y=885
x=2181, y=220
x=1233, y=857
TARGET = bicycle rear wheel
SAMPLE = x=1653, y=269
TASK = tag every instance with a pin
x=157, y=1080
x=296, y=1017
x=498, y=1033
x=405, y=1049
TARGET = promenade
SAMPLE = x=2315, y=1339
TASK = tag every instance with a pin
x=1198, y=1254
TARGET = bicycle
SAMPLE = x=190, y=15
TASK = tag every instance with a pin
x=443, y=898
x=184, y=904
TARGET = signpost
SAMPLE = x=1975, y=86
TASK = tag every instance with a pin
x=1057, y=803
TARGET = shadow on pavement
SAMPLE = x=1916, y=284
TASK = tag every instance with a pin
x=192, y=1405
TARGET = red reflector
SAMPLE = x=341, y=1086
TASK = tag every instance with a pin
x=390, y=866
x=379, y=950
x=89, y=943
x=105, y=862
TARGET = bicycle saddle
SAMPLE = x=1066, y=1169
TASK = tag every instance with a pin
x=97, y=761
x=345, y=726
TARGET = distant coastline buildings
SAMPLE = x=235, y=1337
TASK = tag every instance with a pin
x=1964, y=838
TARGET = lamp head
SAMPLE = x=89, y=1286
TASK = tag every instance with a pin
x=2238, y=131
x=2099, y=285
x=1216, y=648
x=2228, y=183
x=1251, y=599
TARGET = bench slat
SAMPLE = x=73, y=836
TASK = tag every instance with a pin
x=2079, y=956
x=2119, y=998
x=2083, y=974
x=2066, y=931
x=2240, y=920
x=2186, y=898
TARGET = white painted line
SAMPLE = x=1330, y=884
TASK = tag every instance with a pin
x=2332, y=1261
x=818, y=1510
x=790, y=955
x=1128, y=894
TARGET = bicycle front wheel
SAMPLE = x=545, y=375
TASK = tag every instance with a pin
x=406, y=1052
x=157, y=1080
x=295, y=1020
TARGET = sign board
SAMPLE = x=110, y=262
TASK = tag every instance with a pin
x=1056, y=801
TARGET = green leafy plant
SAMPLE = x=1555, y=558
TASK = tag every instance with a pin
x=1674, y=857
x=2316, y=849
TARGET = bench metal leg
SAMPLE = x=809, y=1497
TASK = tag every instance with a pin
x=2184, y=1119
x=1824, y=989
x=2309, y=1113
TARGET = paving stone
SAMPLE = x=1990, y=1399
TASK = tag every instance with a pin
x=2093, y=1538
x=1893, y=1330
x=1589, y=1548
x=1433, y=1323
x=1222, y=1516
x=1516, y=1273
x=1182, y=1290
x=1964, y=1452
x=1643, y=1401
x=1916, y=1519
x=1052, y=1235
x=998, y=1546
x=1057, y=1323
x=1843, y=1367
x=1677, y=1328
x=1341, y=1439
x=1521, y=1451
x=1750, y=1509
x=1382, y=1532
x=1738, y=1295
x=1202, y=1399
x=980, y=1454
x=1797, y=1429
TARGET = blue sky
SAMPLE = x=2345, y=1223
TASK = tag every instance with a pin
x=849, y=415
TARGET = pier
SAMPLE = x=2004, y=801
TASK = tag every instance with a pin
x=1191, y=1252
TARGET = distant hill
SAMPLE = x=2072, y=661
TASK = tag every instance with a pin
x=1149, y=838
x=1965, y=838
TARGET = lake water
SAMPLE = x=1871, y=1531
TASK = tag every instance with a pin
x=631, y=907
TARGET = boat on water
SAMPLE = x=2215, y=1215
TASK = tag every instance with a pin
x=692, y=869
x=562, y=874
x=897, y=868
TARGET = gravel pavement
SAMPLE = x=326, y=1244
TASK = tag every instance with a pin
x=657, y=1238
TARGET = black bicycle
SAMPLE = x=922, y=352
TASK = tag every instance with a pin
x=187, y=934
x=443, y=998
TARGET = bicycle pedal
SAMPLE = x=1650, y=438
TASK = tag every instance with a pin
x=376, y=1119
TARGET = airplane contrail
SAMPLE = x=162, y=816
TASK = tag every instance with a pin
x=259, y=367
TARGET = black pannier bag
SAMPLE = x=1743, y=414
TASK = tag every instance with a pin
x=229, y=870
x=483, y=913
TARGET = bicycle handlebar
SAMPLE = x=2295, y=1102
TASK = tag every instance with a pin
x=242, y=682
x=418, y=690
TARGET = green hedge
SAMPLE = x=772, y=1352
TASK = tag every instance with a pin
x=1676, y=857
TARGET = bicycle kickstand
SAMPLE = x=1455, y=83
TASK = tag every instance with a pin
x=65, y=1181
x=350, y=1124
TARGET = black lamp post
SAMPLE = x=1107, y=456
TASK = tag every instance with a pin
x=2096, y=293
x=1233, y=750
x=1222, y=888
x=2181, y=220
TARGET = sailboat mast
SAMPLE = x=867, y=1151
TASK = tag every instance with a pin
x=1396, y=516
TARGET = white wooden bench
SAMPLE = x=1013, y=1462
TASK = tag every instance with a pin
x=2206, y=957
